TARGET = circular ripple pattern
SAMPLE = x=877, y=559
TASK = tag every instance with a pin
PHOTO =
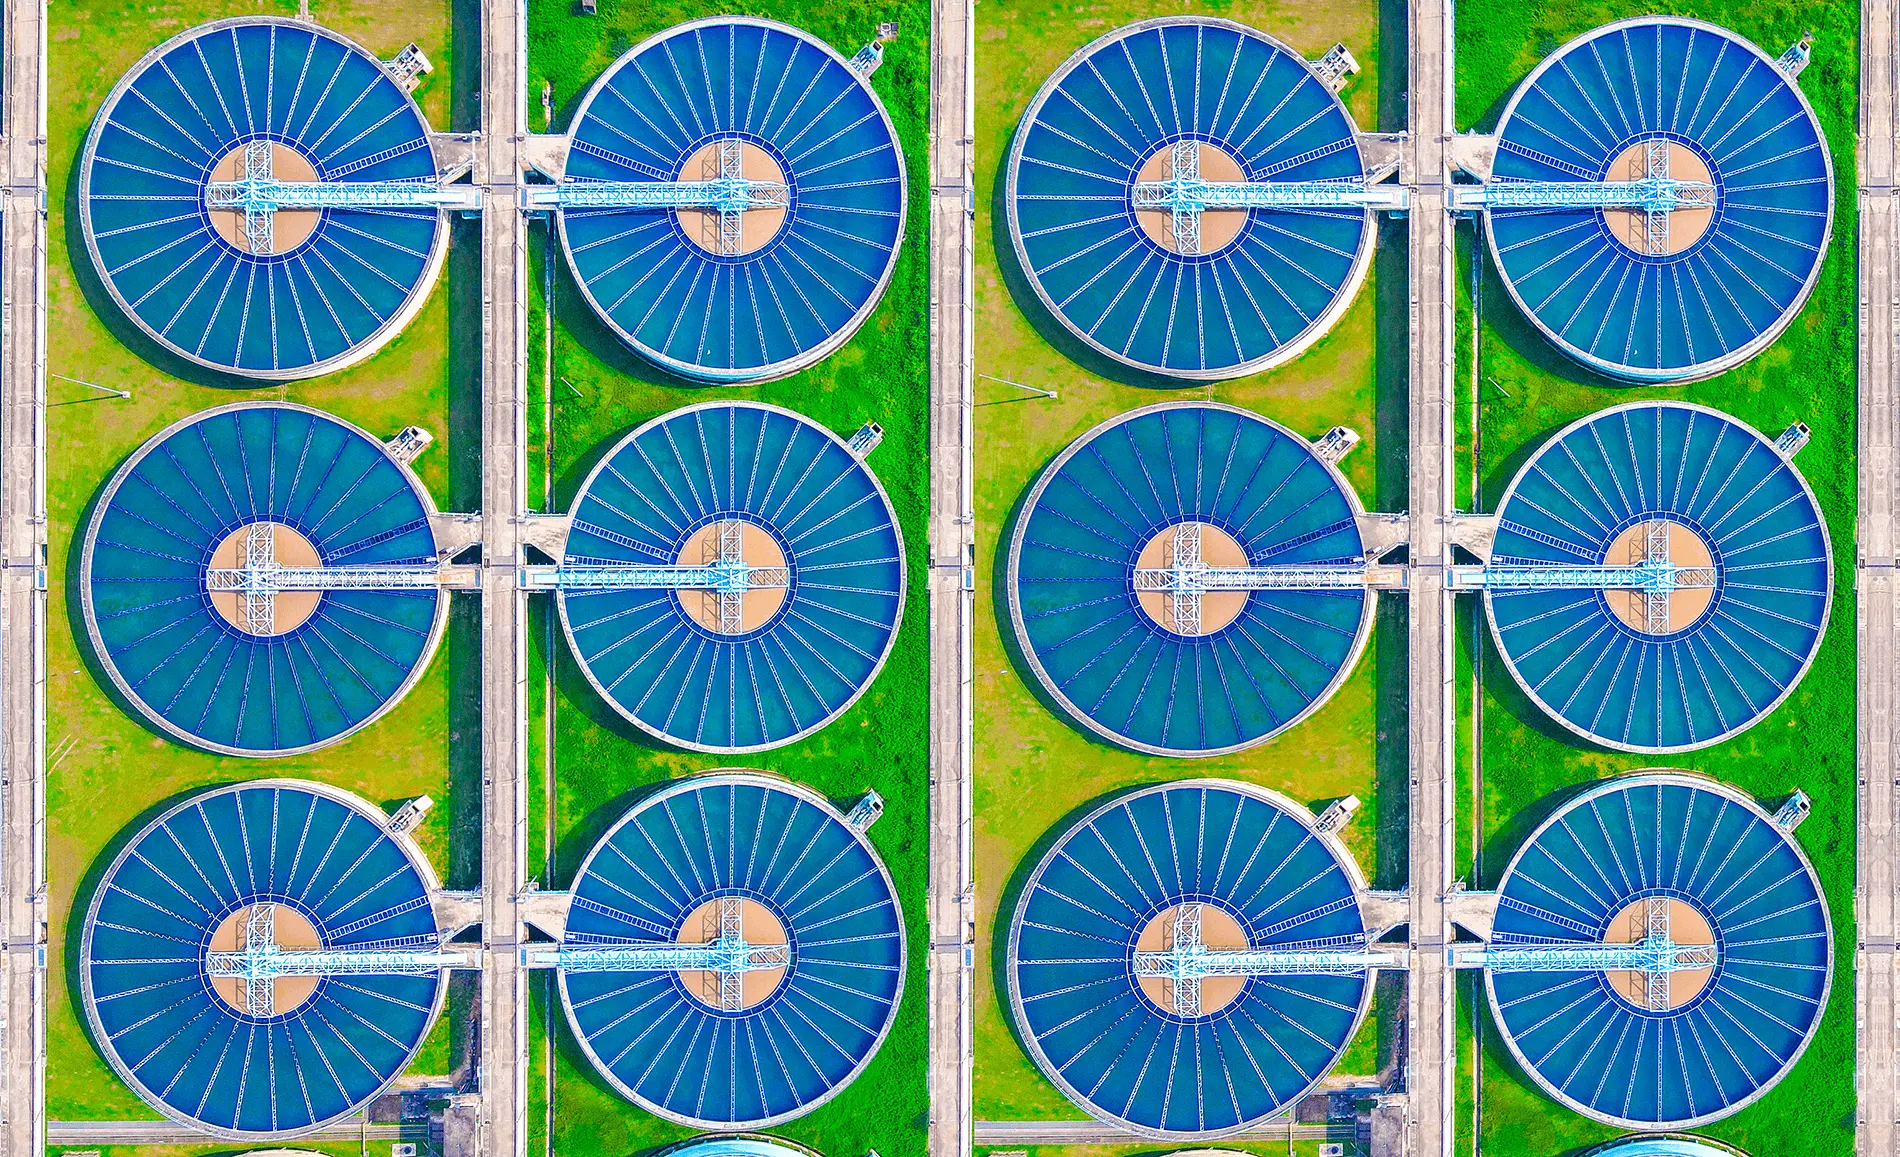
x=1111, y=665
x=188, y=106
x=1091, y=133
x=1125, y=1058
x=1710, y=95
x=197, y=1059
x=1710, y=475
x=1705, y=845
x=828, y=517
x=779, y=307
x=191, y=671
x=780, y=847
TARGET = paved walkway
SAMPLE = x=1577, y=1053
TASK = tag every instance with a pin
x=504, y=1024
x=22, y=579
x=1877, y=890
x=1431, y=1032
x=951, y=896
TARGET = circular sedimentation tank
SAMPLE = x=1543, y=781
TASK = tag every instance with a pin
x=190, y=660
x=335, y=284
x=188, y=884
x=798, y=278
x=1258, y=285
x=1723, y=277
x=801, y=652
x=1127, y=1048
x=1117, y=659
x=1731, y=878
x=806, y=881
x=1728, y=651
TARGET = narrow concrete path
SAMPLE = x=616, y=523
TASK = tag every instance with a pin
x=498, y=167
x=1877, y=887
x=952, y=531
x=23, y=580
x=1431, y=1028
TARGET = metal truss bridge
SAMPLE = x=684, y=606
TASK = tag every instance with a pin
x=1657, y=957
x=1655, y=194
x=1188, y=578
x=730, y=194
x=1185, y=195
x=1187, y=961
x=260, y=578
x=729, y=956
x=261, y=961
x=259, y=195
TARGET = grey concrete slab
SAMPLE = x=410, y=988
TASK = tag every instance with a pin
x=951, y=901
x=1431, y=1031
x=1877, y=886
x=23, y=579
x=498, y=168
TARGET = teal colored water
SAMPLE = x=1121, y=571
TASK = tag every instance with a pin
x=181, y=663
x=1706, y=846
x=1706, y=90
x=1090, y=132
x=205, y=95
x=1132, y=1061
x=1114, y=668
x=739, y=318
x=1697, y=469
x=801, y=485
x=778, y=847
x=182, y=1047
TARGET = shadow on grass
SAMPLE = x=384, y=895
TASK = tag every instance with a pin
x=1391, y=657
x=1011, y=897
x=464, y=641
x=573, y=689
x=73, y=582
x=1511, y=325
x=582, y=324
x=1000, y=607
x=1046, y=324
x=72, y=943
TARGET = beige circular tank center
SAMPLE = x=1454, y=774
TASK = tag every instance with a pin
x=1219, y=227
x=756, y=226
x=289, y=227
x=290, y=929
x=289, y=609
x=757, y=549
x=1686, y=226
x=1218, y=608
x=1218, y=930
x=1686, y=604
x=759, y=927
x=1686, y=926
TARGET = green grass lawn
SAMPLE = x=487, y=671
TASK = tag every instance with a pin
x=600, y=392
x=1529, y=391
x=1033, y=768
x=107, y=770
